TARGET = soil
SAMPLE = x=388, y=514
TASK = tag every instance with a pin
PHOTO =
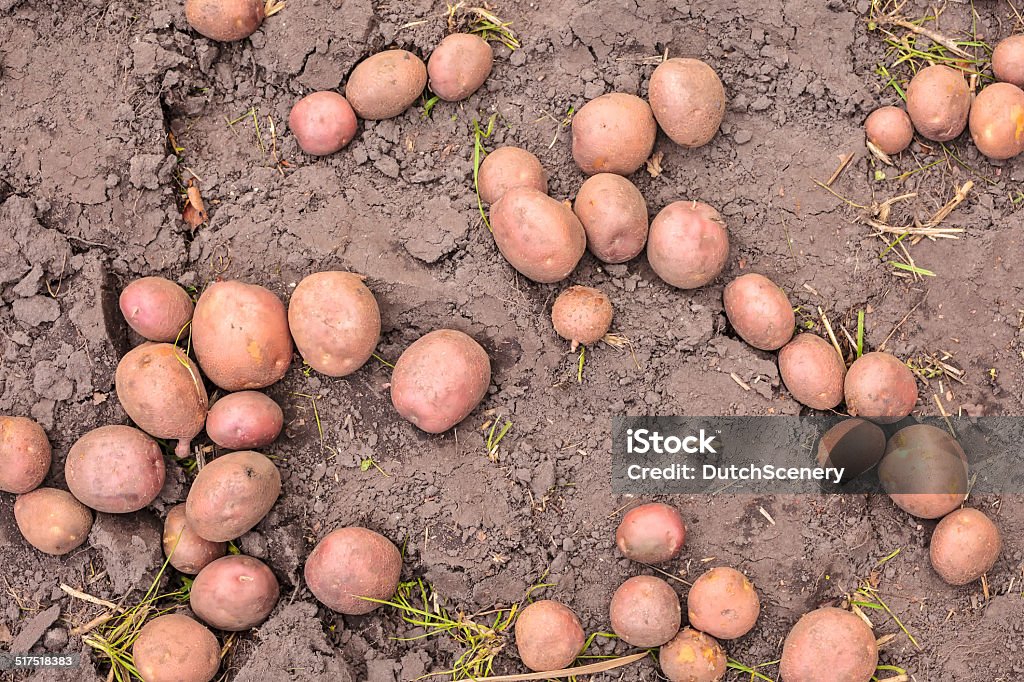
x=91, y=194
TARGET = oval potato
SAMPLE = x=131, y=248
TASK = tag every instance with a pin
x=965, y=546
x=938, y=101
x=244, y=421
x=549, y=636
x=459, y=65
x=688, y=100
x=688, y=246
x=997, y=121
x=760, y=312
x=645, y=611
x=508, y=167
x=692, y=656
x=582, y=315
x=651, y=533
x=115, y=469
x=723, y=603
x=813, y=371
x=353, y=562
x=322, y=122
x=614, y=216
x=225, y=20
x=176, y=648
x=234, y=593
x=829, y=639
x=156, y=308
x=613, y=133
x=879, y=387
x=52, y=520
x=540, y=237
x=231, y=494
x=25, y=454
x=924, y=470
x=889, y=129
x=386, y=84
x=1008, y=60
x=184, y=549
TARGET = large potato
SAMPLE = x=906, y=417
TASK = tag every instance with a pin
x=508, y=167
x=225, y=20
x=880, y=388
x=965, y=546
x=645, y=611
x=855, y=445
x=240, y=335
x=1008, y=60
x=244, y=421
x=688, y=100
x=540, y=237
x=186, y=551
x=439, y=379
x=335, y=322
x=156, y=308
x=322, y=122
x=938, y=101
x=813, y=371
x=652, y=533
x=351, y=563
x=549, y=636
x=692, y=656
x=889, y=129
x=688, y=245
x=582, y=315
x=386, y=84
x=829, y=645
x=115, y=469
x=759, y=311
x=614, y=217
x=52, y=520
x=613, y=133
x=723, y=603
x=175, y=648
x=997, y=121
x=234, y=593
x=924, y=470
x=25, y=454
x=231, y=495
x=459, y=65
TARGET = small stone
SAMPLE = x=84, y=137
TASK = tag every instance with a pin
x=388, y=166
x=36, y=310
x=761, y=103
x=742, y=136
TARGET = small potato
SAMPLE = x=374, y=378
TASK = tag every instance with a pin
x=613, y=133
x=508, y=167
x=386, y=84
x=335, y=322
x=540, y=237
x=234, y=593
x=889, y=129
x=829, y=645
x=240, y=335
x=115, y=469
x=244, y=421
x=52, y=520
x=231, y=495
x=176, y=648
x=688, y=100
x=855, y=445
x=880, y=388
x=582, y=315
x=614, y=216
x=645, y=611
x=965, y=546
x=1008, y=60
x=439, y=379
x=924, y=470
x=759, y=311
x=652, y=533
x=25, y=454
x=692, y=656
x=350, y=563
x=723, y=603
x=997, y=121
x=323, y=123
x=225, y=20
x=813, y=371
x=186, y=551
x=549, y=636
x=688, y=245
x=459, y=65
x=938, y=101
x=156, y=308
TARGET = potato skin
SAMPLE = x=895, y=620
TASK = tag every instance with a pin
x=812, y=371
x=115, y=469
x=244, y=421
x=176, y=648
x=231, y=494
x=997, y=121
x=652, y=533
x=549, y=636
x=965, y=546
x=386, y=84
x=25, y=455
x=323, y=123
x=924, y=470
x=582, y=315
x=1008, y=60
x=688, y=245
x=938, y=101
x=439, y=379
x=234, y=593
x=759, y=311
x=225, y=20
x=156, y=308
x=889, y=129
x=880, y=388
x=335, y=322
x=829, y=645
x=688, y=100
x=614, y=216
x=459, y=65
x=645, y=611
x=613, y=133
x=723, y=603
x=187, y=552
x=692, y=656
x=353, y=562
x=856, y=445
x=52, y=520
x=539, y=236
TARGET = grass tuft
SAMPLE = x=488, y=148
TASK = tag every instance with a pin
x=479, y=152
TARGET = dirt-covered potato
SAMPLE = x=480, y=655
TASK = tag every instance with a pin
x=924, y=470
x=240, y=335
x=187, y=552
x=508, y=167
x=539, y=236
x=459, y=65
x=582, y=315
x=322, y=122
x=439, y=379
x=880, y=388
x=652, y=533
x=549, y=636
x=232, y=494
x=965, y=546
x=688, y=100
x=692, y=656
x=760, y=312
x=25, y=454
x=688, y=245
x=1008, y=60
x=386, y=84
x=335, y=322
x=176, y=648
x=244, y=421
x=813, y=371
x=829, y=644
x=350, y=563
x=614, y=216
x=225, y=20
x=234, y=593
x=997, y=121
x=613, y=133
x=855, y=445
x=889, y=129
x=115, y=469
x=156, y=308
x=645, y=611
x=723, y=603
x=938, y=101
x=52, y=520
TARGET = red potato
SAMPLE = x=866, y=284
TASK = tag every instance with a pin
x=115, y=469
x=760, y=312
x=25, y=454
x=549, y=636
x=582, y=315
x=231, y=494
x=997, y=121
x=688, y=100
x=855, y=445
x=186, y=551
x=829, y=645
x=1008, y=60
x=540, y=237
x=234, y=593
x=175, y=648
x=813, y=371
x=613, y=133
x=965, y=546
x=225, y=20
x=459, y=65
x=156, y=308
x=652, y=533
x=645, y=611
x=692, y=656
x=938, y=101
x=614, y=217
x=386, y=84
x=244, y=421
x=879, y=387
x=350, y=563
x=52, y=520
x=889, y=129
x=723, y=603
x=508, y=167
x=924, y=470
x=688, y=245
x=323, y=123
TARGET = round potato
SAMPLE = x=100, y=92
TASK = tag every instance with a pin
x=924, y=470
x=156, y=308
x=614, y=217
x=613, y=133
x=52, y=520
x=692, y=656
x=889, y=129
x=244, y=421
x=854, y=445
x=175, y=648
x=688, y=245
x=582, y=315
x=386, y=84
x=833, y=640
x=813, y=371
x=459, y=65
x=335, y=322
x=723, y=603
x=540, y=237
x=115, y=469
x=231, y=495
x=645, y=611
x=25, y=454
x=352, y=563
x=652, y=533
x=938, y=101
x=1008, y=60
x=759, y=311
x=323, y=123
x=439, y=379
x=186, y=551
x=225, y=20
x=880, y=388
x=508, y=167
x=997, y=121
x=549, y=636
x=234, y=593
x=688, y=100
x=965, y=546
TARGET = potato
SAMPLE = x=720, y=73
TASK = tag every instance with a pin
x=548, y=636
x=459, y=65
x=176, y=648
x=231, y=495
x=25, y=454
x=240, y=335
x=115, y=469
x=186, y=551
x=997, y=121
x=234, y=593
x=688, y=100
x=335, y=322
x=829, y=645
x=938, y=101
x=723, y=603
x=439, y=379
x=52, y=520
x=540, y=237
x=645, y=611
x=613, y=133
x=965, y=546
x=225, y=20
x=582, y=315
x=855, y=445
x=924, y=470
x=350, y=563
x=889, y=129
x=1008, y=60
x=692, y=656
x=156, y=308
x=244, y=421
x=323, y=123
x=160, y=388
x=508, y=167
x=386, y=84
x=880, y=388
x=688, y=245
x=652, y=533
x=759, y=311
x=813, y=371
x=614, y=217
